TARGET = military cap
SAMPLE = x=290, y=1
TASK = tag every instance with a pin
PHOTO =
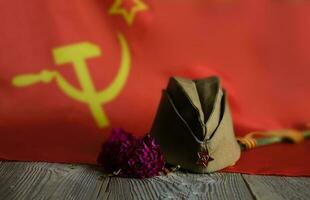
x=193, y=125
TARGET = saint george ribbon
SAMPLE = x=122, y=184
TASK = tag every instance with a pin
x=77, y=54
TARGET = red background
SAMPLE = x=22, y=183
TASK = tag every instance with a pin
x=260, y=49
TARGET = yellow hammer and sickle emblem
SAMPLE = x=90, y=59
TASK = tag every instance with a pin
x=77, y=54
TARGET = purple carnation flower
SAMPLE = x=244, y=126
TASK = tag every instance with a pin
x=131, y=157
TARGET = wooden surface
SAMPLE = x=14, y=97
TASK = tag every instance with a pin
x=63, y=181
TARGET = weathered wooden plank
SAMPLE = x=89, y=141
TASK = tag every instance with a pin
x=48, y=181
x=181, y=186
x=56, y=181
x=62, y=181
x=277, y=187
x=28, y=180
x=83, y=182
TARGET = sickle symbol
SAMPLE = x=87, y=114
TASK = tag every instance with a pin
x=77, y=55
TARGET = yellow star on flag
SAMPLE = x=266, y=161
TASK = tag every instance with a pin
x=128, y=14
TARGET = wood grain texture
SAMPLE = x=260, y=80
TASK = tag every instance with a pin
x=48, y=181
x=19, y=180
x=182, y=186
x=277, y=187
x=60, y=181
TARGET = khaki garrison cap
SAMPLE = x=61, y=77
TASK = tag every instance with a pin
x=193, y=125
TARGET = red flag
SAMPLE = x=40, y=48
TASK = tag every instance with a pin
x=70, y=71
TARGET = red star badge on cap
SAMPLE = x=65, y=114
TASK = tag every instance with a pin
x=203, y=158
